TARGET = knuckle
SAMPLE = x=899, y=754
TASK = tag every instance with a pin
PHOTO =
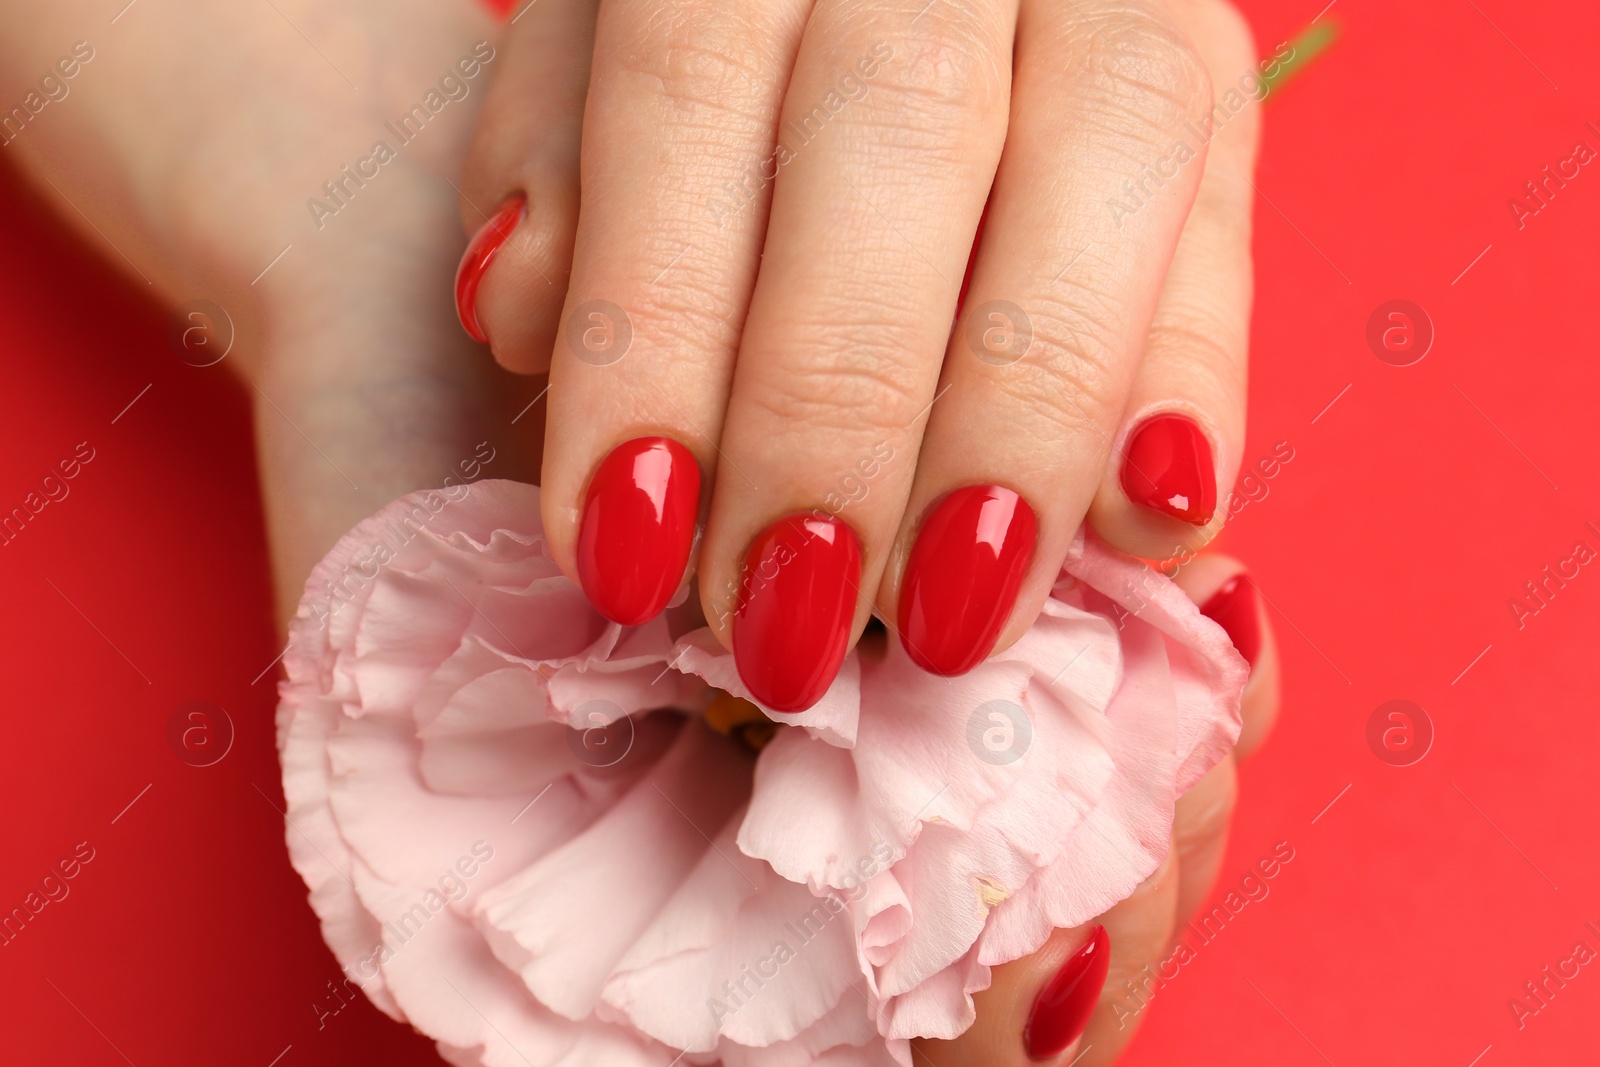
x=1202, y=341
x=1140, y=67
x=1073, y=372
x=703, y=57
x=867, y=387
x=1157, y=59
x=956, y=72
x=1082, y=341
x=696, y=314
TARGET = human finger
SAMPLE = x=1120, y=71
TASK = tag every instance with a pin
x=681, y=109
x=1182, y=432
x=519, y=188
x=1037, y=373
x=1046, y=1007
x=871, y=224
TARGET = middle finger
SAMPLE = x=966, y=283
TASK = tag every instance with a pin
x=889, y=138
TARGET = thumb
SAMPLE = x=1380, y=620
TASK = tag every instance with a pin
x=519, y=188
x=1037, y=1008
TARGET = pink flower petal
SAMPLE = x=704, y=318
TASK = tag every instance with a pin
x=519, y=836
x=566, y=920
x=738, y=954
x=832, y=719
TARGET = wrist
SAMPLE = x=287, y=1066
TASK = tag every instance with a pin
x=365, y=387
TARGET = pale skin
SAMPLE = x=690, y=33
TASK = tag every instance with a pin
x=785, y=330
x=192, y=140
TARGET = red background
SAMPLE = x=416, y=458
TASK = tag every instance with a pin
x=1414, y=510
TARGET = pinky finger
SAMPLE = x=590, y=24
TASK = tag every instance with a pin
x=1054, y=1007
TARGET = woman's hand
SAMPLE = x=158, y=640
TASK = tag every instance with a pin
x=196, y=151
x=750, y=317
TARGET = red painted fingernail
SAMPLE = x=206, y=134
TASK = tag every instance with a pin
x=479, y=254
x=638, y=527
x=1063, y=1006
x=1168, y=467
x=1233, y=607
x=797, y=601
x=961, y=581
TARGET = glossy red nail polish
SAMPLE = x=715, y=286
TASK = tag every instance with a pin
x=1233, y=607
x=1064, y=1005
x=1167, y=466
x=479, y=255
x=638, y=527
x=961, y=581
x=796, y=601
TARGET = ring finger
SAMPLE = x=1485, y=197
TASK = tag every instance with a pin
x=1053, y=329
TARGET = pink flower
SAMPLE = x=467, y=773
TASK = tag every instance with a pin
x=522, y=836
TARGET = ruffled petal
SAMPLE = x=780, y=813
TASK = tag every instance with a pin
x=722, y=959
x=520, y=835
x=832, y=719
x=565, y=921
